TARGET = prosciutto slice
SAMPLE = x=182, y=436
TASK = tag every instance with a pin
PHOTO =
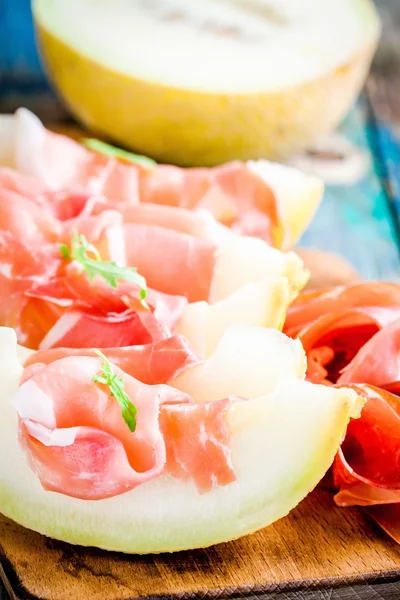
x=311, y=305
x=352, y=337
x=155, y=363
x=82, y=329
x=388, y=517
x=172, y=262
x=59, y=162
x=198, y=223
x=366, y=470
x=334, y=325
x=22, y=267
x=233, y=193
x=71, y=287
x=75, y=436
x=198, y=443
x=24, y=185
x=78, y=443
x=378, y=361
x=25, y=219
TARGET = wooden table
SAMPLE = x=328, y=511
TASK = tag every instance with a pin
x=361, y=221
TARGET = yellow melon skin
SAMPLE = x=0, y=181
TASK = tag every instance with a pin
x=192, y=128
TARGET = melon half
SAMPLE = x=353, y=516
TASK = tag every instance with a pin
x=207, y=81
x=282, y=444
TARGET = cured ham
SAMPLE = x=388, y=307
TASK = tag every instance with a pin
x=22, y=266
x=198, y=223
x=233, y=193
x=377, y=362
x=93, y=227
x=334, y=325
x=352, y=338
x=310, y=305
x=59, y=162
x=253, y=198
x=23, y=218
x=153, y=364
x=366, y=469
x=78, y=443
x=388, y=517
x=171, y=262
x=195, y=436
x=81, y=329
x=24, y=185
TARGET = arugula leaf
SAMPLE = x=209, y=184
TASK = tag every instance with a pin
x=116, y=386
x=89, y=257
x=114, y=152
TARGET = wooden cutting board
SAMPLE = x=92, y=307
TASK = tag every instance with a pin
x=318, y=552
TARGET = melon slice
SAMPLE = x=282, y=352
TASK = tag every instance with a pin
x=298, y=196
x=243, y=260
x=263, y=304
x=248, y=362
x=207, y=81
x=282, y=445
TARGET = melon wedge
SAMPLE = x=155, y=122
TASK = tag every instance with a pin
x=282, y=445
x=248, y=362
x=263, y=304
x=207, y=81
x=298, y=196
x=243, y=260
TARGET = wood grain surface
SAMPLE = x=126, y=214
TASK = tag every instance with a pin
x=318, y=547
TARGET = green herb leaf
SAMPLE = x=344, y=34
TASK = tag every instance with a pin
x=89, y=257
x=116, y=386
x=114, y=152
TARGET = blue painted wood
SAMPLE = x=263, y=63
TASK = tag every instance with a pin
x=387, y=152
x=22, y=80
x=358, y=221
x=19, y=60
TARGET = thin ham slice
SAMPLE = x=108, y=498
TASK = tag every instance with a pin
x=378, y=361
x=171, y=262
x=155, y=363
x=24, y=185
x=78, y=444
x=233, y=193
x=93, y=227
x=75, y=437
x=72, y=288
x=22, y=267
x=388, y=517
x=198, y=443
x=198, y=223
x=366, y=469
x=66, y=204
x=26, y=219
x=311, y=305
x=58, y=162
x=334, y=324
x=332, y=341
x=81, y=329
